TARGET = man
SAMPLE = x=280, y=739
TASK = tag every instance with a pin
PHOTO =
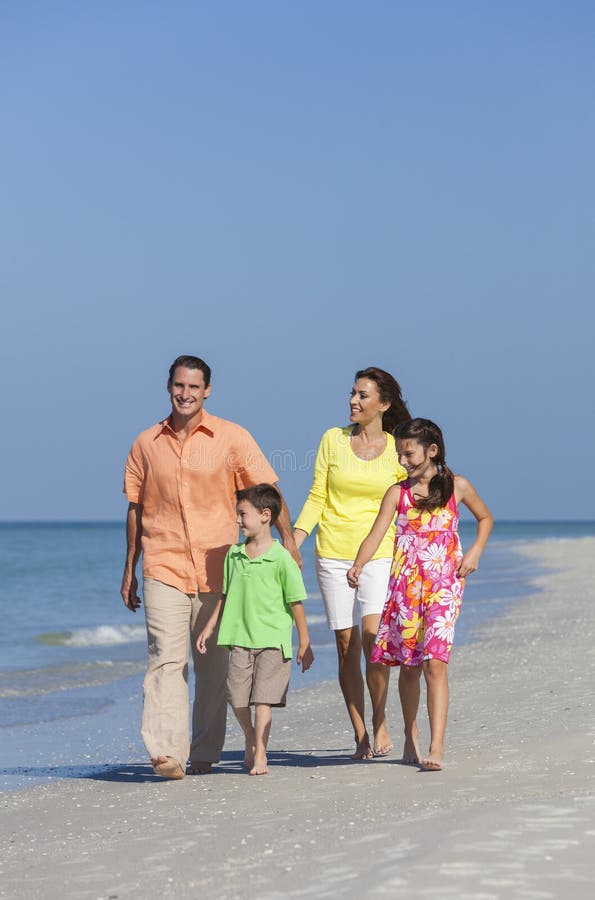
x=180, y=480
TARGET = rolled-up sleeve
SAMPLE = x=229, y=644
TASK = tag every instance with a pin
x=134, y=475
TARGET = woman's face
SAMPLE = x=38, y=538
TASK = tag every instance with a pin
x=365, y=403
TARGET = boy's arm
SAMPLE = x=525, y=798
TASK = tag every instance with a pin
x=201, y=641
x=304, y=655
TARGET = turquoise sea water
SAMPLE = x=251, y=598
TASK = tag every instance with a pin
x=72, y=656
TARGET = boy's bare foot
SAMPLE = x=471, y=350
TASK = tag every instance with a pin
x=167, y=767
x=411, y=755
x=260, y=766
x=382, y=742
x=363, y=750
x=200, y=768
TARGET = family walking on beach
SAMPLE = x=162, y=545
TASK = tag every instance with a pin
x=387, y=552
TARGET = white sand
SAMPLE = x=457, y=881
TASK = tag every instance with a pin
x=511, y=816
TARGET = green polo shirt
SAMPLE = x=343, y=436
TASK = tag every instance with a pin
x=258, y=593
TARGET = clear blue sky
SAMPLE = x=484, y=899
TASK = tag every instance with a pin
x=294, y=190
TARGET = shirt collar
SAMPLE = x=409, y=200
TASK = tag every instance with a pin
x=270, y=555
x=206, y=424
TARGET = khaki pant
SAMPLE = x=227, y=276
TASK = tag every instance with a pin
x=173, y=619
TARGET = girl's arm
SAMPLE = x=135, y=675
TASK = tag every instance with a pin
x=304, y=655
x=370, y=544
x=466, y=493
x=201, y=640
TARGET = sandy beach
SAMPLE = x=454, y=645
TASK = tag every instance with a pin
x=511, y=816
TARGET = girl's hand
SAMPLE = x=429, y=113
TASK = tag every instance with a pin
x=305, y=656
x=353, y=576
x=468, y=564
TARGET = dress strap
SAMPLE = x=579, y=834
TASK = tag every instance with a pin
x=405, y=493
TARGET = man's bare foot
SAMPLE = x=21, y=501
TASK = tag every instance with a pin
x=260, y=766
x=411, y=755
x=200, y=767
x=363, y=749
x=167, y=767
x=382, y=742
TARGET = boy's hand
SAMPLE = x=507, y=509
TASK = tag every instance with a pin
x=353, y=576
x=305, y=656
x=201, y=640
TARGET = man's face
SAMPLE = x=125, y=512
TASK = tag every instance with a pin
x=187, y=391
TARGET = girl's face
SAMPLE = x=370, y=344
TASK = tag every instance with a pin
x=365, y=403
x=415, y=458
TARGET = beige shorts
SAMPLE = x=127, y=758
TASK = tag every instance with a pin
x=257, y=676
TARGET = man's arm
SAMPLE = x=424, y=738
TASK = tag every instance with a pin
x=129, y=589
x=283, y=526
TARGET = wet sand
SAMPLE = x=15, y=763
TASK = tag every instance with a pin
x=511, y=816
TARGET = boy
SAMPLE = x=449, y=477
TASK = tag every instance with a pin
x=262, y=596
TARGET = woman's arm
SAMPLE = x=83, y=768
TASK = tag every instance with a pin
x=466, y=493
x=370, y=544
x=318, y=495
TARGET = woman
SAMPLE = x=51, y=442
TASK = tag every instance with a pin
x=354, y=467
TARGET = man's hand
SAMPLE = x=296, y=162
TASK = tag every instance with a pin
x=129, y=591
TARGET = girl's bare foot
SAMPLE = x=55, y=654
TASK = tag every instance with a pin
x=260, y=766
x=363, y=749
x=411, y=755
x=382, y=742
x=433, y=761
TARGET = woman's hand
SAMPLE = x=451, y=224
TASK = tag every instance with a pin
x=353, y=576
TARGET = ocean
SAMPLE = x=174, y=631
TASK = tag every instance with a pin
x=72, y=656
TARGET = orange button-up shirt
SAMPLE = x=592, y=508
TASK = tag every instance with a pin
x=188, y=495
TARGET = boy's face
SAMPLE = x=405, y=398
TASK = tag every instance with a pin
x=252, y=522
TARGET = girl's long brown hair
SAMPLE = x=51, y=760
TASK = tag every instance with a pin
x=442, y=485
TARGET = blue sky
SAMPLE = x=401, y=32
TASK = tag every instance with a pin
x=293, y=191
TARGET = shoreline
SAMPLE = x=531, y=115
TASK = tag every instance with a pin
x=512, y=814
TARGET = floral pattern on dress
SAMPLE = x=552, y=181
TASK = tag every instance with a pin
x=424, y=591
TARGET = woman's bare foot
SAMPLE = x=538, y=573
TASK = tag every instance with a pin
x=382, y=742
x=167, y=767
x=411, y=755
x=363, y=749
x=260, y=766
x=249, y=755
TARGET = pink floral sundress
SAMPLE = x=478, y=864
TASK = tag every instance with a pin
x=424, y=591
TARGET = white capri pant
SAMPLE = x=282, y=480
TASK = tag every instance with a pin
x=340, y=599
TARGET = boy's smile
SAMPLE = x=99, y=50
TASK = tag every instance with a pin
x=251, y=521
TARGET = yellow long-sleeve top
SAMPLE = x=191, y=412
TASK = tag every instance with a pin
x=346, y=494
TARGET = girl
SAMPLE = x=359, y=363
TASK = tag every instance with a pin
x=427, y=577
